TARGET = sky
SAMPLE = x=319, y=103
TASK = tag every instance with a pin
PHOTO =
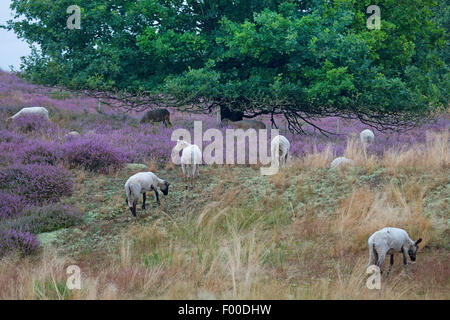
x=11, y=48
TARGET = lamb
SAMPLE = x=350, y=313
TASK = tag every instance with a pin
x=367, y=136
x=245, y=124
x=279, y=147
x=158, y=115
x=388, y=241
x=341, y=161
x=191, y=158
x=31, y=110
x=141, y=183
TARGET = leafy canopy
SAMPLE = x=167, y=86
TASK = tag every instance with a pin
x=302, y=59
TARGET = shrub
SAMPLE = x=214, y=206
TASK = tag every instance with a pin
x=13, y=240
x=93, y=154
x=36, y=182
x=11, y=205
x=43, y=219
x=27, y=123
x=7, y=136
x=38, y=152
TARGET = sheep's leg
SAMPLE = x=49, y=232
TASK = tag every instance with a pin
x=375, y=255
x=405, y=261
x=391, y=263
x=371, y=253
x=185, y=175
x=381, y=258
x=194, y=170
x=133, y=210
x=157, y=196
x=144, y=196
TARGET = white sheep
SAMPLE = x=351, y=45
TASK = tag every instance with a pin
x=367, y=136
x=280, y=147
x=341, y=161
x=72, y=134
x=32, y=110
x=389, y=241
x=141, y=183
x=191, y=158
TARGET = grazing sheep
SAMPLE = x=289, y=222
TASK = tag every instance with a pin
x=191, y=158
x=341, y=161
x=32, y=110
x=388, y=241
x=367, y=136
x=279, y=147
x=72, y=134
x=245, y=124
x=158, y=115
x=141, y=183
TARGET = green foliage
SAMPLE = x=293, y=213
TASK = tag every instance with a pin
x=298, y=58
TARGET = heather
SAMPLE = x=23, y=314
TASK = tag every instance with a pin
x=300, y=234
x=12, y=240
x=11, y=205
x=37, y=183
x=93, y=154
x=38, y=152
x=48, y=218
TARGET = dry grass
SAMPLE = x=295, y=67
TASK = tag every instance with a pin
x=302, y=240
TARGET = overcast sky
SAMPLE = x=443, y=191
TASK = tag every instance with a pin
x=11, y=48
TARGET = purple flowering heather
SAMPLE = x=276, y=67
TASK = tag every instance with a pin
x=13, y=240
x=42, y=152
x=37, y=183
x=33, y=123
x=11, y=205
x=93, y=154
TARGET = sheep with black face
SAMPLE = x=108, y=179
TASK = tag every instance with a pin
x=389, y=241
x=141, y=183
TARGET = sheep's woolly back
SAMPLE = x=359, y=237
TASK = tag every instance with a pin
x=390, y=238
x=341, y=161
x=32, y=110
x=367, y=136
x=283, y=146
x=138, y=182
x=72, y=134
x=191, y=155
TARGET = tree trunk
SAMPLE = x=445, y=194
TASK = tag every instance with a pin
x=226, y=113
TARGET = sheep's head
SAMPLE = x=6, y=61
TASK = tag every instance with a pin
x=164, y=187
x=413, y=250
x=181, y=144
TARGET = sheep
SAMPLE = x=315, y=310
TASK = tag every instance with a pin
x=341, y=161
x=72, y=134
x=191, y=158
x=388, y=241
x=32, y=110
x=158, y=115
x=245, y=124
x=367, y=136
x=141, y=183
x=279, y=147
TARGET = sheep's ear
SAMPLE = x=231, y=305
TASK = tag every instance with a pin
x=418, y=241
